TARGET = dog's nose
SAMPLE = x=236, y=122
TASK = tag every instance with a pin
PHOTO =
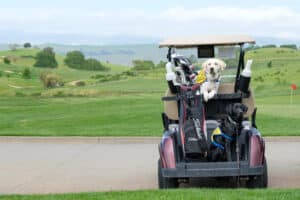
x=211, y=70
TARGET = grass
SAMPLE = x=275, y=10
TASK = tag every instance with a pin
x=108, y=116
x=131, y=106
x=206, y=194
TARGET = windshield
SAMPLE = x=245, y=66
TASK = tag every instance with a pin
x=229, y=54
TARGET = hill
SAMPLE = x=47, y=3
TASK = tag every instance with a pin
x=116, y=103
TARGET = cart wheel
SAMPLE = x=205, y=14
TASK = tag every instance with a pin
x=164, y=182
x=259, y=181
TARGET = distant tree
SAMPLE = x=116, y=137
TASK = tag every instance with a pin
x=193, y=58
x=27, y=45
x=94, y=65
x=13, y=47
x=269, y=46
x=46, y=58
x=143, y=64
x=161, y=64
x=252, y=47
x=290, y=46
x=6, y=60
x=75, y=59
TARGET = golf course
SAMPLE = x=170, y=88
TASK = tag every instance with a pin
x=123, y=101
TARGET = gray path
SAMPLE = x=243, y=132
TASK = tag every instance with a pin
x=82, y=165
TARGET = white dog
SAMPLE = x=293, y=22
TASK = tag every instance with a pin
x=212, y=68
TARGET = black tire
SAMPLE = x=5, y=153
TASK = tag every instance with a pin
x=259, y=181
x=164, y=182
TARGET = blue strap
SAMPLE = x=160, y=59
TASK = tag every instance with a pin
x=227, y=136
x=218, y=145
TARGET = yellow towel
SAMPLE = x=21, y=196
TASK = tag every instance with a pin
x=217, y=131
x=201, y=77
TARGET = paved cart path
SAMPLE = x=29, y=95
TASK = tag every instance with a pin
x=59, y=165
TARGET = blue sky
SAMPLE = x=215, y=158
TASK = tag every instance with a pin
x=156, y=18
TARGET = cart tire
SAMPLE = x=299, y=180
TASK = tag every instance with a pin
x=164, y=182
x=259, y=181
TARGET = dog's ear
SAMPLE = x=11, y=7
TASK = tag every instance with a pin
x=204, y=65
x=222, y=64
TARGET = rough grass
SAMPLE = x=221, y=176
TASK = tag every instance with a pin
x=186, y=194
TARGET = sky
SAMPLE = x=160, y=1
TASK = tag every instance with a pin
x=149, y=19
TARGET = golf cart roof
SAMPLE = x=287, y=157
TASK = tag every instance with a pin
x=215, y=40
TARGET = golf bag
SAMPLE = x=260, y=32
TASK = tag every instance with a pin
x=192, y=121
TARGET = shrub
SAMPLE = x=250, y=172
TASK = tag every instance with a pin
x=36, y=94
x=98, y=76
x=59, y=94
x=129, y=73
x=75, y=59
x=269, y=64
x=19, y=94
x=80, y=83
x=51, y=80
x=46, y=58
x=6, y=60
x=143, y=65
x=26, y=73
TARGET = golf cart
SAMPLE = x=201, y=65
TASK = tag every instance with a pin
x=217, y=138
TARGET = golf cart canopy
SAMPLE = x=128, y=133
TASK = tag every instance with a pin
x=208, y=40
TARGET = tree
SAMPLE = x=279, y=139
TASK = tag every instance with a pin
x=27, y=45
x=193, y=58
x=269, y=46
x=75, y=59
x=46, y=58
x=13, y=47
x=290, y=46
x=93, y=64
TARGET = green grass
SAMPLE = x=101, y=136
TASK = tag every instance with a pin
x=107, y=116
x=131, y=106
x=186, y=194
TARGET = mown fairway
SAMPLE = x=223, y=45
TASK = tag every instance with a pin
x=207, y=194
x=130, y=106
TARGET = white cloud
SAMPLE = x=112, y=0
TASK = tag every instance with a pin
x=267, y=21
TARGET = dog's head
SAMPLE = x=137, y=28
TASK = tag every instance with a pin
x=213, y=68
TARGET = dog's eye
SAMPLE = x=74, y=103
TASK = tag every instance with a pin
x=209, y=64
x=216, y=63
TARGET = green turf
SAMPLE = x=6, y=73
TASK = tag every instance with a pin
x=131, y=106
x=186, y=194
x=107, y=116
